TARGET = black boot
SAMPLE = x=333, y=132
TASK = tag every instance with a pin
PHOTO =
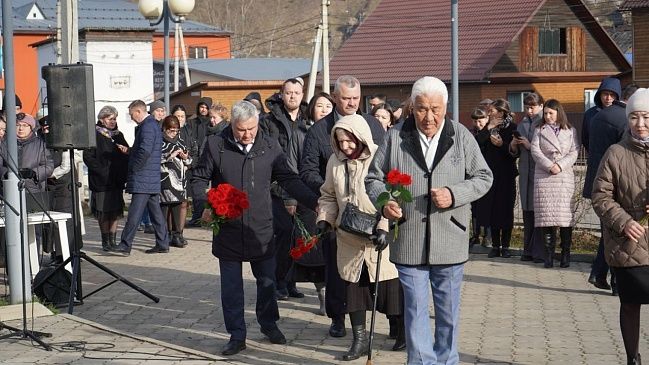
x=566, y=241
x=505, y=238
x=105, y=242
x=495, y=243
x=400, y=342
x=548, y=240
x=394, y=330
x=359, y=345
x=634, y=360
x=113, y=240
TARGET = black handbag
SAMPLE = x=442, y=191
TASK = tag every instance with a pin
x=355, y=221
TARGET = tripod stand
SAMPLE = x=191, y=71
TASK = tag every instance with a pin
x=24, y=332
x=76, y=255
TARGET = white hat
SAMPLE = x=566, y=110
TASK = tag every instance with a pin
x=638, y=102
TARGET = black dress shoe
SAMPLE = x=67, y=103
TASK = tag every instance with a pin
x=157, y=249
x=495, y=252
x=233, y=347
x=122, y=250
x=337, y=328
x=526, y=258
x=281, y=294
x=274, y=335
x=538, y=261
x=505, y=253
x=602, y=284
x=294, y=293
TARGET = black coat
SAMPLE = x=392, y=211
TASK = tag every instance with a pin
x=317, y=148
x=249, y=238
x=496, y=208
x=278, y=124
x=606, y=129
x=107, y=167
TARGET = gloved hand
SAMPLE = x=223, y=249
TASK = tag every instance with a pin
x=323, y=228
x=380, y=240
x=27, y=173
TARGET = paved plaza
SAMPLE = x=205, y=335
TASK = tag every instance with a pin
x=512, y=313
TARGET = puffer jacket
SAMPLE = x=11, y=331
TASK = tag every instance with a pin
x=345, y=182
x=553, y=194
x=144, y=159
x=620, y=194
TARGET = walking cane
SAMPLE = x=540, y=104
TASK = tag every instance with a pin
x=373, y=321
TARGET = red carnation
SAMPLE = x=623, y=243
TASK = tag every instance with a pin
x=393, y=177
x=405, y=179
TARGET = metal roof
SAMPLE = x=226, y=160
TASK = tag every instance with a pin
x=95, y=14
x=252, y=68
x=634, y=4
x=402, y=41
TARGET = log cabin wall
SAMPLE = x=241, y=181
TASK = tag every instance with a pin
x=640, y=20
x=582, y=52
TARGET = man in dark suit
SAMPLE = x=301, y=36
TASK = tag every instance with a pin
x=315, y=155
x=249, y=161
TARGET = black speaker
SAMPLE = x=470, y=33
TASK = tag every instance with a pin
x=71, y=106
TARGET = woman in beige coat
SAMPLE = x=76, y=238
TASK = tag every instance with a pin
x=620, y=199
x=555, y=146
x=357, y=257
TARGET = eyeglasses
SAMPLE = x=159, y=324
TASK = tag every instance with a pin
x=23, y=125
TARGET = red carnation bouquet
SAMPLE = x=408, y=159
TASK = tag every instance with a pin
x=226, y=203
x=396, y=183
x=305, y=242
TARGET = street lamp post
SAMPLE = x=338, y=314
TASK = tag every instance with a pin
x=163, y=11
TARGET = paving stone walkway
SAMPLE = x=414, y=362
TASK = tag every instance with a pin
x=512, y=313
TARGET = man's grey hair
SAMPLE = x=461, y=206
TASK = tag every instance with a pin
x=244, y=110
x=347, y=80
x=429, y=85
x=106, y=111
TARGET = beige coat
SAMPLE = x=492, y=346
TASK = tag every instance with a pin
x=353, y=250
x=554, y=202
x=620, y=194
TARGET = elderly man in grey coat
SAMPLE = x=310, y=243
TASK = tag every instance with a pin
x=448, y=173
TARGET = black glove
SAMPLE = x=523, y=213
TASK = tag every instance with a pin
x=27, y=174
x=380, y=240
x=323, y=228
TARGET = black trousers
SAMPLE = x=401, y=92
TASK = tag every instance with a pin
x=232, y=297
x=283, y=227
x=336, y=298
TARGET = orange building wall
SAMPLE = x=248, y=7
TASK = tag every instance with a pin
x=27, y=74
x=217, y=47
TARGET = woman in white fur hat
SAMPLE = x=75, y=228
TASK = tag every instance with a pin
x=620, y=197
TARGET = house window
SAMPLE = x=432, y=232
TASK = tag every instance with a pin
x=552, y=41
x=589, y=98
x=197, y=52
x=515, y=99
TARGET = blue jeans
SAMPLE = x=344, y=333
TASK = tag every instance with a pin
x=140, y=201
x=446, y=283
x=232, y=298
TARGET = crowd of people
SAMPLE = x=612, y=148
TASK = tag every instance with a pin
x=305, y=164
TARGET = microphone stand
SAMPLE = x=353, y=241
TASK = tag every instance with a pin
x=24, y=332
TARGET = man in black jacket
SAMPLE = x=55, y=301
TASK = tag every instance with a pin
x=249, y=161
x=607, y=128
x=198, y=129
x=315, y=155
x=286, y=112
